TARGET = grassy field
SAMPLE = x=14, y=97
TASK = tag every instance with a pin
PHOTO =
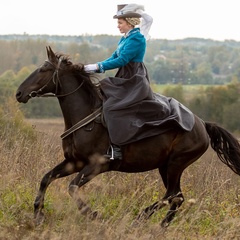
x=210, y=211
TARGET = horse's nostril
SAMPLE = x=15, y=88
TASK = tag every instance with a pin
x=18, y=94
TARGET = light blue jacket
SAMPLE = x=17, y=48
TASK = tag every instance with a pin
x=131, y=48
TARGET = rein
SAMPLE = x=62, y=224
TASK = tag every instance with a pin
x=82, y=123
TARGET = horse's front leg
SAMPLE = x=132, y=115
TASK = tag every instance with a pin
x=97, y=165
x=63, y=169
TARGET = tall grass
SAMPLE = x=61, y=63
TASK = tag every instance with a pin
x=28, y=151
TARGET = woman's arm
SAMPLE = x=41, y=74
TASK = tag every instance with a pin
x=127, y=53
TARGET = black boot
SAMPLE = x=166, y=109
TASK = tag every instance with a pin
x=114, y=152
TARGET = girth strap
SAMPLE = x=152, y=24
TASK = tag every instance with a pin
x=82, y=123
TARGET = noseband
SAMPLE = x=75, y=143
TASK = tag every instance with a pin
x=56, y=81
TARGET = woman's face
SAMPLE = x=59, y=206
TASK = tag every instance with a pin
x=123, y=25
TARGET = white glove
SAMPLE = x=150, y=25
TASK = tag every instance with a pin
x=91, y=68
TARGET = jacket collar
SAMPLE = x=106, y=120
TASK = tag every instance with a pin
x=132, y=31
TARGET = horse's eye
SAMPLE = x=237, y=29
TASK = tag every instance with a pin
x=43, y=67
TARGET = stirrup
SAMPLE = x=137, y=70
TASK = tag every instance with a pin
x=110, y=154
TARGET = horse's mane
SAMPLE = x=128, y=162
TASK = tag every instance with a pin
x=91, y=85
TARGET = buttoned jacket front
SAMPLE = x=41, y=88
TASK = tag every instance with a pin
x=131, y=48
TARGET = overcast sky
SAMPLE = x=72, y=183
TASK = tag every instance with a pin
x=173, y=19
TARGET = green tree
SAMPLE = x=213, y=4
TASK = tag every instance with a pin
x=231, y=116
x=6, y=84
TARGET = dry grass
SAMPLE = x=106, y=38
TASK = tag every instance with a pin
x=118, y=196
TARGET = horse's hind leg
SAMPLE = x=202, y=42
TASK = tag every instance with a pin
x=149, y=211
x=172, y=177
x=63, y=169
x=173, y=197
x=185, y=153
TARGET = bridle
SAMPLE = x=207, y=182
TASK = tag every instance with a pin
x=55, y=79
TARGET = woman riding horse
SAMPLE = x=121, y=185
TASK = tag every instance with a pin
x=131, y=110
x=143, y=122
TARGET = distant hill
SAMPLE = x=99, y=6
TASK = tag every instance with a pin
x=186, y=61
x=91, y=38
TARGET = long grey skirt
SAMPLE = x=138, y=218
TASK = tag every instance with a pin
x=132, y=111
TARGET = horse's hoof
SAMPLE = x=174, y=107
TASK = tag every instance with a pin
x=165, y=224
x=39, y=219
x=95, y=215
x=135, y=223
x=143, y=216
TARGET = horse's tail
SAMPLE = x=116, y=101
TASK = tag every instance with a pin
x=225, y=145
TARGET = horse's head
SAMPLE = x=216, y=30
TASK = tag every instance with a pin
x=46, y=78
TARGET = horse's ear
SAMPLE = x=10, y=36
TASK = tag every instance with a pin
x=47, y=52
x=51, y=54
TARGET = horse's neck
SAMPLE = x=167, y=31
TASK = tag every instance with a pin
x=75, y=106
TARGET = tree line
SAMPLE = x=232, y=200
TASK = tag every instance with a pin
x=187, y=61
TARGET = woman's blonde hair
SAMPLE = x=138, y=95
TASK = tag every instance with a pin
x=133, y=21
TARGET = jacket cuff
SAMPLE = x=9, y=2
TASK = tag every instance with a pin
x=100, y=68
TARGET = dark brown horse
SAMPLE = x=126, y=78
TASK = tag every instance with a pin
x=86, y=139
